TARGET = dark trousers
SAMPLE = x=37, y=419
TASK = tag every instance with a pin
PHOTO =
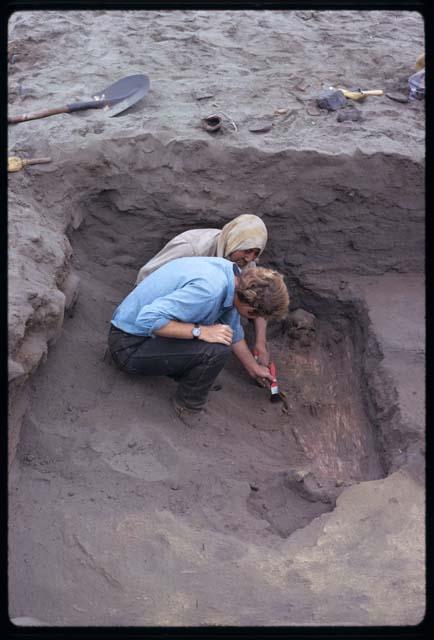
x=194, y=364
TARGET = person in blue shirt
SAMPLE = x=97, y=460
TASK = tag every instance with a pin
x=183, y=321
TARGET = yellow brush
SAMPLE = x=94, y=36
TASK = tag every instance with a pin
x=16, y=164
x=361, y=95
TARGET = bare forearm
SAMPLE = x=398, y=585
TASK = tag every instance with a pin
x=261, y=347
x=253, y=368
x=260, y=331
x=175, y=329
x=216, y=333
x=244, y=355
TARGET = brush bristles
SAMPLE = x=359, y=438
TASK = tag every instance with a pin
x=276, y=397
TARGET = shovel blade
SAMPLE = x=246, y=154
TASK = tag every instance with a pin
x=123, y=93
x=120, y=106
x=123, y=88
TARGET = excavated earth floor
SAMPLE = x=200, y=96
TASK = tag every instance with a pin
x=308, y=511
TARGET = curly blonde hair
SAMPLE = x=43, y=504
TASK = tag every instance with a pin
x=265, y=291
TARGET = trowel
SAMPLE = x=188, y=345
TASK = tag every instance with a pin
x=114, y=99
x=358, y=94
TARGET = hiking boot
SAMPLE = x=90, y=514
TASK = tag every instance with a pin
x=190, y=417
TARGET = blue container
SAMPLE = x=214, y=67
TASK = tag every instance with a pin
x=416, y=85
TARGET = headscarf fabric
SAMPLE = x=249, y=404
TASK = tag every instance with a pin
x=244, y=232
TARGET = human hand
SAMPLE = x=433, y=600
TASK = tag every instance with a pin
x=262, y=375
x=217, y=333
x=262, y=355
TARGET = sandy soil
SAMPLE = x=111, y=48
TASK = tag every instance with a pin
x=121, y=515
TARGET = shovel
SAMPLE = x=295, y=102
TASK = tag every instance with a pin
x=114, y=99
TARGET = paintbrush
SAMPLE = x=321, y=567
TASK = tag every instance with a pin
x=275, y=395
x=274, y=387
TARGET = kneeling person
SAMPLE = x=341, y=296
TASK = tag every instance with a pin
x=183, y=320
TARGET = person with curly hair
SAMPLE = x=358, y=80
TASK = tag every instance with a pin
x=183, y=321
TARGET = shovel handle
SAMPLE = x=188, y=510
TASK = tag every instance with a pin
x=35, y=116
x=16, y=164
x=69, y=108
x=35, y=161
x=91, y=104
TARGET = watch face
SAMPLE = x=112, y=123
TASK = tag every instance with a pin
x=196, y=332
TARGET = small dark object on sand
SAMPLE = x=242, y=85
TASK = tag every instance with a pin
x=260, y=126
x=212, y=123
x=398, y=97
x=353, y=115
x=331, y=99
x=203, y=94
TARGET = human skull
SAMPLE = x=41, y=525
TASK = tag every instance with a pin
x=302, y=327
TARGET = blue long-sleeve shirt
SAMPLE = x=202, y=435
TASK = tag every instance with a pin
x=187, y=290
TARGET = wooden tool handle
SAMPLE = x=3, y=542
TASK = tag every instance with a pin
x=35, y=161
x=35, y=116
x=69, y=108
x=16, y=164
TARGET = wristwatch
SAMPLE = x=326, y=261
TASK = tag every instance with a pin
x=196, y=331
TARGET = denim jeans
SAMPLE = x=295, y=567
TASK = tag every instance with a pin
x=194, y=364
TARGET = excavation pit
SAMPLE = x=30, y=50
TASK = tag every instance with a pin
x=285, y=463
x=118, y=468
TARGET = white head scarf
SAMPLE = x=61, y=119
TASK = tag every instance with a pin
x=242, y=233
